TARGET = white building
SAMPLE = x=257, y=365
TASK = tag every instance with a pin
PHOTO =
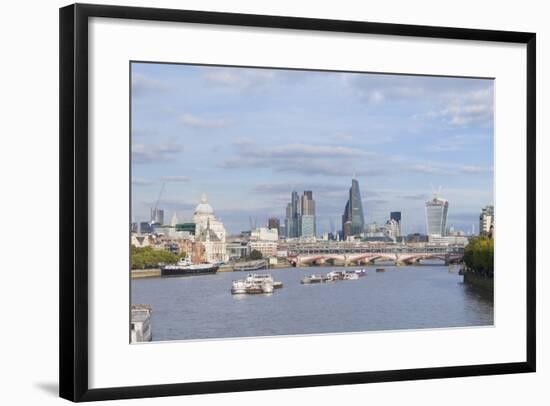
x=267, y=248
x=210, y=231
x=264, y=234
x=448, y=240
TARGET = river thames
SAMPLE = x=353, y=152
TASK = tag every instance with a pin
x=405, y=297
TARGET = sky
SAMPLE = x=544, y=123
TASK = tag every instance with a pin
x=247, y=137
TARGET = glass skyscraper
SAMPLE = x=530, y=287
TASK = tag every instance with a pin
x=436, y=216
x=353, y=220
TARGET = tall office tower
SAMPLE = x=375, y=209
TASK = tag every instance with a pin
x=157, y=216
x=436, y=216
x=273, y=223
x=396, y=216
x=487, y=220
x=293, y=216
x=308, y=227
x=353, y=213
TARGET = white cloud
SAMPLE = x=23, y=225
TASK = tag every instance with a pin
x=242, y=78
x=142, y=84
x=175, y=179
x=202, y=122
x=142, y=182
x=154, y=153
x=475, y=170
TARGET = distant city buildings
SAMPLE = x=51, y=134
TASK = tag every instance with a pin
x=487, y=221
x=353, y=220
x=300, y=216
x=436, y=217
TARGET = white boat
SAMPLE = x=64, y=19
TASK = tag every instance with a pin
x=335, y=276
x=239, y=287
x=361, y=272
x=313, y=279
x=255, y=283
x=350, y=276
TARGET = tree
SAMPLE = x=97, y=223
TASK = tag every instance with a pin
x=255, y=254
x=478, y=255
x=147, y=257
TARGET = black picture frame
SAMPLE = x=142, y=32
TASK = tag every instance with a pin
x=73, y=281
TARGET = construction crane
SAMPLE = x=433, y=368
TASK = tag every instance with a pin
x=154, y=209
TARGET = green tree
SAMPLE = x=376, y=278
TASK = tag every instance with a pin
x=255, y=254
x=147, y=257
x=478, y=255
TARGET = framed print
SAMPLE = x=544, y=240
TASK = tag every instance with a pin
x=256, y=202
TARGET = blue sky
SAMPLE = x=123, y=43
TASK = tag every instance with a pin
x=248, y=137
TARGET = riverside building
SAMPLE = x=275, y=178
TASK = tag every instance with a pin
x=487, y=221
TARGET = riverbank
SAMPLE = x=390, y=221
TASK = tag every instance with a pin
x=479, y=282
x=145, y=273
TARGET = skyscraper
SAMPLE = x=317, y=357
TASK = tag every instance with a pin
x=436, y=216
x=307, y=215
x=292, y=216
x=273, y=223
x=300, y=215
x=353, y=220
x=396, y=216
x=157, y=216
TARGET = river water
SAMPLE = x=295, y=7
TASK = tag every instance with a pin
x=405, y=297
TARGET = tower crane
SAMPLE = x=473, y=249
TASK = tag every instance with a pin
x=154, y=209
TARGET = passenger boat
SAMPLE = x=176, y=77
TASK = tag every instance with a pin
x=335, y=276
x=313, y=279
x=254, y=284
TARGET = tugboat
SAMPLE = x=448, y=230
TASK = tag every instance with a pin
x=184, y=267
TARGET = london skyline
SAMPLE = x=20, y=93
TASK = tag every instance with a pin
x=249, y=137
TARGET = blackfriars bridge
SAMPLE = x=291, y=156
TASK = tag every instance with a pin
x=358, y=254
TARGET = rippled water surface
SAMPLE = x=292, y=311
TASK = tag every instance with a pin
x=407, y=297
